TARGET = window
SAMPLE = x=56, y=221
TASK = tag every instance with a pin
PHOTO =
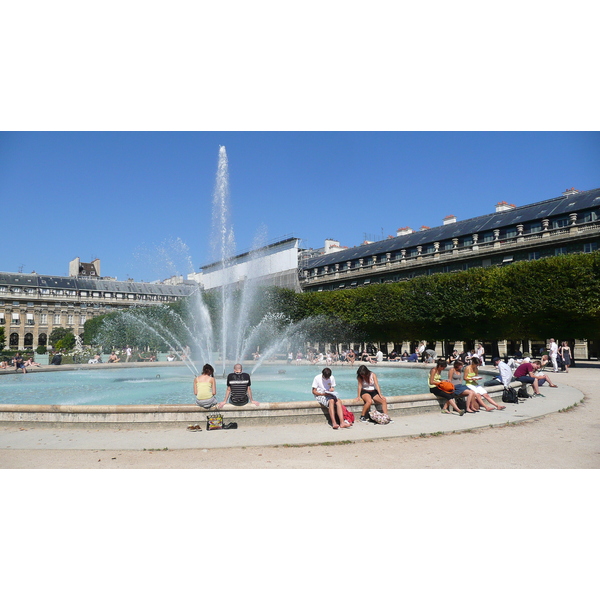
x=43, y=319
x=82, y=319
x=29, y=318
x=59, y=292
x=84, y=294
x=559, y=251
x=589, y=216
x=558, y=223
x=70, y=320
x=534, y=255
x=467, y=241
x=15, y=319
x=591, y=247
x=16, y=290
x=45, y=291
x=533, y=228
x=2, y=319
x=488, y=236
x=56, y=320
x=511, y=233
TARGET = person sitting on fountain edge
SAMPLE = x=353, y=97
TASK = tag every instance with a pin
x=239, y=392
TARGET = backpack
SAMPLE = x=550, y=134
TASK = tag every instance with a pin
x=446, y=386
x=510, y=396
x=522, y=393
x=348, y=416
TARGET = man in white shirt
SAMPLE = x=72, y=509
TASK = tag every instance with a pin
x=554, y=354
x=505, y=374
x=323, y=388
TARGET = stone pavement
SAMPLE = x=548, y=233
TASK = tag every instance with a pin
x=173, y=437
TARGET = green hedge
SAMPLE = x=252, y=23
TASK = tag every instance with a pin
x=550, y=297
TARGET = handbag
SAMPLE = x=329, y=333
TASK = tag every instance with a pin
x=214, y=420
x=379, y=417
x=510, y=396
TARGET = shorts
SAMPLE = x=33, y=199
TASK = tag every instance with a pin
x=371, y=393
x=477, y=389
x=241, y=402
x=207, y=403
x=324, y=400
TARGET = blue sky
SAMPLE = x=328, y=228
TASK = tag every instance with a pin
x=142, y=201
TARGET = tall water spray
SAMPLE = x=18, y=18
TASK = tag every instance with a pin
x=228, y=329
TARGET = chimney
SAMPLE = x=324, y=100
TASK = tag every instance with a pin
x=331, y=246
x=424, y=228
x=404, y=231
x=449, y=219
x=570, y=192
x=504, y=206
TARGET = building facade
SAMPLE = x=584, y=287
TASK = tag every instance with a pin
x=567, y=224
x=32, y=305
x=275, y=264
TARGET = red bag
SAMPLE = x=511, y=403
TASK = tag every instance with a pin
x=348, y=416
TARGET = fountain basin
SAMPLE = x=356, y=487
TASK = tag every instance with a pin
x=271, y=413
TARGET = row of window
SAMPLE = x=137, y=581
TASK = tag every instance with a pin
x=85, y=294
x=29, y=319
x=464, y=242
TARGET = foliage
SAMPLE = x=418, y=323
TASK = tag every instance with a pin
x=58, y=333
x=41, y=350
x=552, y=297
x=66, y=343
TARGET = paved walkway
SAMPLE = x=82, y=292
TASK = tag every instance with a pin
x=173, y=437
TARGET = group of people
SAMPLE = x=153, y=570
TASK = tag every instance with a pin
x=323, y=388
x=20, y=363
x=463, y=393
x=239, y=392
x=333, y=357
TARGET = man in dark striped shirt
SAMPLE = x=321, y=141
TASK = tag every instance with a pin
x=238, y=391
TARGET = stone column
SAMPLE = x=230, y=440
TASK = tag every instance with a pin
x=580, y=351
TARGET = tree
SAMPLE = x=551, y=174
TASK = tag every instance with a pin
x=58, y=334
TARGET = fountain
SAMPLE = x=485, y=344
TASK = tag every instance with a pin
x=227, y=335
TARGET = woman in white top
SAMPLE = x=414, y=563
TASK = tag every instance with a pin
x=369, y=391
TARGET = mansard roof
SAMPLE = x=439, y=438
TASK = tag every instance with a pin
x=553, y=208
x=102, y=285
